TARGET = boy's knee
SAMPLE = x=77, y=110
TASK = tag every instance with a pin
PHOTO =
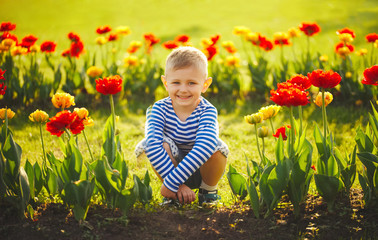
x=218, y=155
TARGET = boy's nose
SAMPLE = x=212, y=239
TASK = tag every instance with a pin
x=183, y=88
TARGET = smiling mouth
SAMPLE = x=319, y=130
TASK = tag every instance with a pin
x=184, y=97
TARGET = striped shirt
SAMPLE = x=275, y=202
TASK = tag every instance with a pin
x=199, y=130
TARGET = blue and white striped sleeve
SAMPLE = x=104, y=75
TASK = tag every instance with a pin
x=204, y=147
x=155, y=152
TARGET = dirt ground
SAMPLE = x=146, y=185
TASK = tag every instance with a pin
x=54, y=221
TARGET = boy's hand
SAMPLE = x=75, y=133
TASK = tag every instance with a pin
x=184, y=194
x=167, y=193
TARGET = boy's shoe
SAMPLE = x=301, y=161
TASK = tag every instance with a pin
x=205, y=196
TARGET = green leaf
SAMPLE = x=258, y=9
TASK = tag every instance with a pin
x=30, y=173
x=370, y=162
x=109, y=145
x=375, y=182
x=279, y=150
x=365, y=188
x=299, y=177
x=51, y=182
x=327, y=186
x=79, y=194
x=374, y=124
x=12, y=152
x=364, y=143
x=237, y=183
x=38, y=179
x=144, y=191
x=25, y=189
x=254, y=198
x=342, y=162
x=126, y=200
x=265, y=190
x=321, y=145
x=278, y=179
x=332, y=167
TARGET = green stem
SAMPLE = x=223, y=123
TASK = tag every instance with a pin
x=292, y=132
x=300, y=111
x=372, y=54
x=271, y=125
x=113, y=113
x=258, y=146
x=324, y=114
x=89, y=149
x=263, y=148
x=44, y=167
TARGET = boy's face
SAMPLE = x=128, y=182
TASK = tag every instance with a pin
x=185, y=86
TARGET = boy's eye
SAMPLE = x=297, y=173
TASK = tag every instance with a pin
x=192, y=83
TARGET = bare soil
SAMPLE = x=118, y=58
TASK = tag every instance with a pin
x=54, y=221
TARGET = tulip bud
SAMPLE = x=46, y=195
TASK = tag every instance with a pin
x=263, y=132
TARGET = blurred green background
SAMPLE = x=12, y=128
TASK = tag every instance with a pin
x=53, y=19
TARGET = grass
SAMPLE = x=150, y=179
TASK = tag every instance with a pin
x=233, y=130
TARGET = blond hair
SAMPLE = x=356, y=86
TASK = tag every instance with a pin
x=183, y=57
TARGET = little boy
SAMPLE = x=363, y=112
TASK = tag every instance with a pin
x=182, y=140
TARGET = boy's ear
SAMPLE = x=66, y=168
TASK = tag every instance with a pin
x=164, y=81
x=207, y=84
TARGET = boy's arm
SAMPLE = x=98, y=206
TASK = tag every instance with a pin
x=204, y=147
x=155, y=152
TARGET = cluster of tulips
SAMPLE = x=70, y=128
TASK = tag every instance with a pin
x=294, y=167
x=73, y=179
x=25, y=72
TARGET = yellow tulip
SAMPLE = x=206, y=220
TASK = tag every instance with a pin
x=240, y=30
x=63, y=100
x=34, y=49
x=348, y=74
x=131, y=61
x=81, y=112
x=362, y=52
x=8, y=42
x=269, y=111
x=10, y=113
x=18, y=50
x=252, y=36
x=101, y=40
x=232, y=61
x=94, y=71
x=323, y=58
x=279, y=36
x=346, y=37
x=294, y=32
x=39, y=116
x=88, y=122
x=124, y=30
x=254, y=118
x=328, y=97
x=228, y=44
